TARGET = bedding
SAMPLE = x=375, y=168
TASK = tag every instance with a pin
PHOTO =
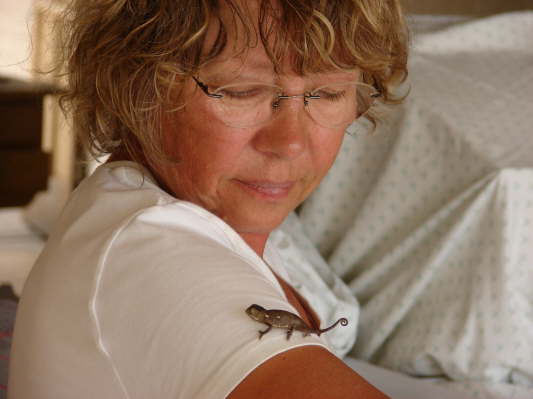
x=430, y=219
x=19, y=247
x=327, y=294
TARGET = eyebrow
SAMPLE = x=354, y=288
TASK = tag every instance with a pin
x=262, y=65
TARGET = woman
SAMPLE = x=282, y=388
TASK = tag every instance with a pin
x=221, y=117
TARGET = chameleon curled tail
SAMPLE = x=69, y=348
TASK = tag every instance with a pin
x=342, y=320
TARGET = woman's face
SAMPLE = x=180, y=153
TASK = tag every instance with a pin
x=250, y=177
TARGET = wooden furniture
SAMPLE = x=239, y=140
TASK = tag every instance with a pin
x=66, y=165
x=24, y=167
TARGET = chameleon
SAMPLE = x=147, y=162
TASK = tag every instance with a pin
x=283, y=319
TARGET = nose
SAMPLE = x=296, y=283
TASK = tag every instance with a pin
x=286, y=135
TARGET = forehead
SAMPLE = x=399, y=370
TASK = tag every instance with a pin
x=237, y=24
x=249, y=48
x=235, y=20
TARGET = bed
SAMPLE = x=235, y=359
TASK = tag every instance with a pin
x=428, y=222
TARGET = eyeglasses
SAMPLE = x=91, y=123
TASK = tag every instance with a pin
x=244, y=105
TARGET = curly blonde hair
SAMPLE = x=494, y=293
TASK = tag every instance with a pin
x=125, y=59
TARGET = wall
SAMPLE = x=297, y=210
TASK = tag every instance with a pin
x=15, y=44
x=19, y=20
x=468, y=7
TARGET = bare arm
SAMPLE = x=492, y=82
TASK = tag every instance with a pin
x=309, y=372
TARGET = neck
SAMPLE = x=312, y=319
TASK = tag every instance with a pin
x=256, y=241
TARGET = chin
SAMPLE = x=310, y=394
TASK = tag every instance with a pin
x=257, y=225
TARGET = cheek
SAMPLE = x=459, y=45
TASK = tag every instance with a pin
x=178, y=172
x=326, y=150
x=207, y=154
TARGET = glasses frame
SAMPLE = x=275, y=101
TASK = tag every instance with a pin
x=306, y=96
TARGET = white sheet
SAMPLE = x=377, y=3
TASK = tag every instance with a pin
x=19, y=248
x=400, y=386
x=311, y=276
x=430, y=221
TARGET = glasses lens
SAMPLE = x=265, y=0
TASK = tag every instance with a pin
x=341, y=103
x=246, y=105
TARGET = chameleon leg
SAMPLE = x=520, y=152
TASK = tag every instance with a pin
x=261, y=333
x=289, y=332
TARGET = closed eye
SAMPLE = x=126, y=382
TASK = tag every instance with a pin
x=330, y=95
x=238, y=93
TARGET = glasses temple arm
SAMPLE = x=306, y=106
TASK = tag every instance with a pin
x=205, y=88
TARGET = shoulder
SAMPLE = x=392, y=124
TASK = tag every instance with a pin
x=172, y=298
x=123, y=199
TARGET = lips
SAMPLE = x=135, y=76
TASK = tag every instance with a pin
x=273, y=190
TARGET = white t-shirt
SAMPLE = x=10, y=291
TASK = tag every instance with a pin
x=140, y=295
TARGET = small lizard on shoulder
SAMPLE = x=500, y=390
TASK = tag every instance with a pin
x=283, y=319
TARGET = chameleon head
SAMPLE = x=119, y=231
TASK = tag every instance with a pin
x=256, y=312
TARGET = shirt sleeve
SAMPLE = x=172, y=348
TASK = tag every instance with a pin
x=170, y=313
